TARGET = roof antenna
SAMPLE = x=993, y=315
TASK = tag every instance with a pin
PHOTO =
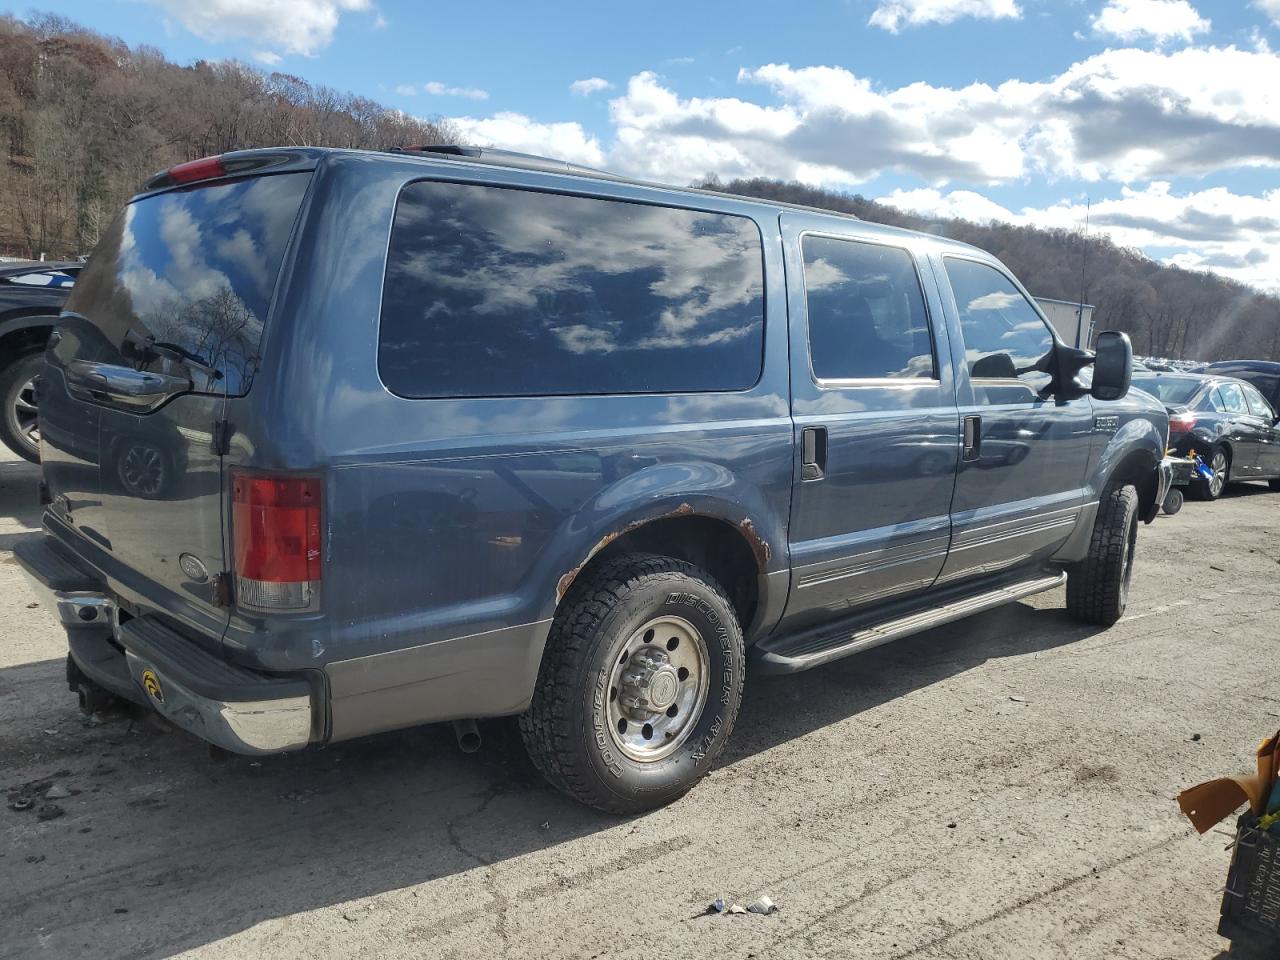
x=1084, y=259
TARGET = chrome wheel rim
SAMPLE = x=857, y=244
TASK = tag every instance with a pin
x=1131, y=540
x=142, y=470
x=25, y=415
x=1219, y=468
x=657, y=688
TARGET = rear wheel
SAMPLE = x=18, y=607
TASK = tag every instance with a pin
x=1098, y=586
x=1219, y=462
x=19, y=427
x=1173, y=501
x=1274, y=484
x=639, y=686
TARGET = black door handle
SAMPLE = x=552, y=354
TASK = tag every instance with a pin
x=972, y=437
x=813, y=453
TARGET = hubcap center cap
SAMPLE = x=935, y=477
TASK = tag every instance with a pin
x=650, y=684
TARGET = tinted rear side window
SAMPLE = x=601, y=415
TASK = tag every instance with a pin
x=492, y=291
x=867, y=317
x=195, y=268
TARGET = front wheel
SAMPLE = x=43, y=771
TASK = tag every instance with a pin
x=639, y=686
x=19, y=426
x=1098, y=586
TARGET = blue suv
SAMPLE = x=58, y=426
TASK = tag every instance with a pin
x=339, y=442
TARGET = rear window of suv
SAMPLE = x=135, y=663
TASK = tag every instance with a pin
x=501, y=292
x=195, y=268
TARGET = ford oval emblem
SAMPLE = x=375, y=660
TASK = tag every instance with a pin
x=193, y=568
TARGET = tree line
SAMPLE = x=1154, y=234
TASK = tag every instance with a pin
x=85, y=120
x=1167, y=311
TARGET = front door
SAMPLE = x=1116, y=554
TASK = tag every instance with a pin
x=1267, y=452
x=1021, y=485
x=873, y=400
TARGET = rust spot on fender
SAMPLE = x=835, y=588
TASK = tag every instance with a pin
x=759, y=546
x=566, y=581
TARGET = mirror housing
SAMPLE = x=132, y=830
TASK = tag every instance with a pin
x=1112, y=366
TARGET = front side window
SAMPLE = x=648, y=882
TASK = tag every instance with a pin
x=1008, y=347
x=499, y=292
x=867, y=317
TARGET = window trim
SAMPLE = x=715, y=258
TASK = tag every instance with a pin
x=491, y=181
x=1222, y=388
x=845, y=383
x=1030, y=300
x=1246, y=387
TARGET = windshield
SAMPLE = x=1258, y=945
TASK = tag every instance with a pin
x=191, y=273
x=1170, y=391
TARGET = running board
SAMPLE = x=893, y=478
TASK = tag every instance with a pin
x=806, y=650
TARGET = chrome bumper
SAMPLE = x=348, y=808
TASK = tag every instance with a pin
x=242, y=726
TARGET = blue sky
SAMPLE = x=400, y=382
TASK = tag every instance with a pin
x=1164, y=113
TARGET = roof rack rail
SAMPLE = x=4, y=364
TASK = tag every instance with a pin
x=505, y=158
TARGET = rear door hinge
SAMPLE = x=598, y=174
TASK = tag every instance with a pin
x=223, y=594
x=222, y=431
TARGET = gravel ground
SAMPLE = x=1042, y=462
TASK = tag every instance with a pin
x=999, y=788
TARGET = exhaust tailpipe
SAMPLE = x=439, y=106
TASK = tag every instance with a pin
x=468, y=735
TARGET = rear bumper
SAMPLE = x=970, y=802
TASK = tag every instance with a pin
x=150, y=663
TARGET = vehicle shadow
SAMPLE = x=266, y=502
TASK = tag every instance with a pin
x=163, y=848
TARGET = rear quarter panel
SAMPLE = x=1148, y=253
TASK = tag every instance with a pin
x=453, y=518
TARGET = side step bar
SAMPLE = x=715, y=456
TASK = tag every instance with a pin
x=808, y=650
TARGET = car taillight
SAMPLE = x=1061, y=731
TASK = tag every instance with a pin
x=1181, y=423
x=206, y=168
x=275, y=522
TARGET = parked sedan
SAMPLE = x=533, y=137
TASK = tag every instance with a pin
x=31, y=294
x=1263, y=374
x=1226, y=421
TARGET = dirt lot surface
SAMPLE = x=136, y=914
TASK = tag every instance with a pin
x=1001, y=788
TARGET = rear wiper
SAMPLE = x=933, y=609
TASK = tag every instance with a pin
x=150, y=347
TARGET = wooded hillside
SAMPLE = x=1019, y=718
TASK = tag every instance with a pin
x=85, y=120
x=1167, y=311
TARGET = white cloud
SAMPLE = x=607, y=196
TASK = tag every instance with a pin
x=585, y=88
x=891, y=15
x=1270, y=7
x=514, y=131
x=438, y=89
x=1237, y=235
x=1159, y=20
x=267, y=57
x=290, y=26
x=1124, y=115
x=407, y=90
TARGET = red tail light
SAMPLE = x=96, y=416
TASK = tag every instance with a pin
x=205, y=168
x=275, y=522
x=1181, y=423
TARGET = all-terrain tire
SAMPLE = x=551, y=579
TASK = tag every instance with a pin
x=1098, y=586
x=1274, y=485
x=14, y=404
x=567, y=729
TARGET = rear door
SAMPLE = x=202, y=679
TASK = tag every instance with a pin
x=162, y=326
x=873, y=402
x=1243, y=430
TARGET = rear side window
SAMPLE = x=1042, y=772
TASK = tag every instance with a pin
x=1257, y=405
x=867, y=317
x=499, y=292
x=1005, y=339
x=1232, y=398
x=195, y=268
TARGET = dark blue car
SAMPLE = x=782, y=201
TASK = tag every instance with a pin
x=339, y=442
